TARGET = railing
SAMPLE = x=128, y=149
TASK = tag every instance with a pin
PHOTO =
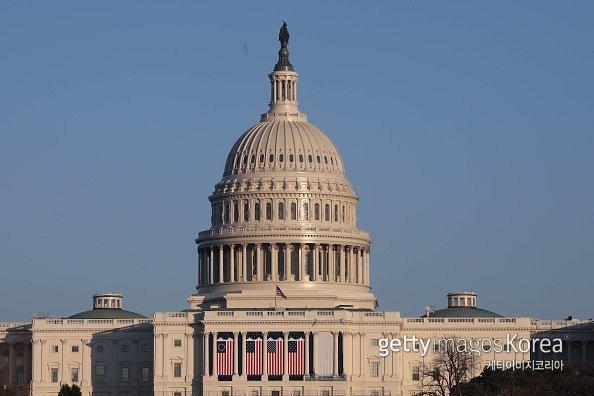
x=331, y=377
x=8, y=325
x=83, y=322
x=225, y=313
x=521, y=321
x=241, y=230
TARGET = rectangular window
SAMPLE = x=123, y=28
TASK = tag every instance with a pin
x=374, y=342
x=325, y=393
x=74, y=348
x=20, y=351
x=254, y=392
x=54, y=375
x=100, y=372
x=177, y=370
x=125, y=374
x=296, y=392
x=74, y=374
x=227, y=393
x=54, y=349
x=416, y=376
x=375, y=369
x=145, y=374
x=20, y=376
x=177, y=343
x=374, y=392
x=177, y=394
x=125, y=348
x=146, y=348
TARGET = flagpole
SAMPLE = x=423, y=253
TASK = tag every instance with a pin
x=275, y=299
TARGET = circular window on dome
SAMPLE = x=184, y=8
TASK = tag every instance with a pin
x=271, y=158
x=290, y=157
x=310, y=158
x=253, y=159
x=326, y=160
x=281, y=157
x=318, y=159
x=261, y=157
x=300, y=157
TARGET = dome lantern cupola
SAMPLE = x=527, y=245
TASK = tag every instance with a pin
x=283, y=85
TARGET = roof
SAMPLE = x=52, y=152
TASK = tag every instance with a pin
x=463, y=312
x=284, y=146
x=107, y=313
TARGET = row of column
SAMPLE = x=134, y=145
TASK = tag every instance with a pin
x=283, y=262
x=209, y=363
x=283, y=90
x=16, y=364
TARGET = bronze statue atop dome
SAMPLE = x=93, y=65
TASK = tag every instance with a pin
x=283, y=35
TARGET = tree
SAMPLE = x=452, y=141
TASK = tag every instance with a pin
x=66, y=390
x=448, y=369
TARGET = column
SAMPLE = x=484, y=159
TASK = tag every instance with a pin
x=331, y=264
x=12, y=362
x=205, y=354
x=244, y=262
x=243, y=372
x=274, y=262
x=301, y=258
x=367, y=268
x=232, y=263
x=315, y=351
x=306, y=353
x=189, y=358
x=235, y=355
x=287, y=263
x=221, y=262
x=361, y=356
x=211, y=265
x=342, y=263
x=335, y=369
x=285, y=356
x=264, y=357
x=348, y=354
x=214, y=354
x=316, y=264
x=258, y=262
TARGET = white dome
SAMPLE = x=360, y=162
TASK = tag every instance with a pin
x=284, y=146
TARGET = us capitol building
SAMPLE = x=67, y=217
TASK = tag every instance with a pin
x=283, y=303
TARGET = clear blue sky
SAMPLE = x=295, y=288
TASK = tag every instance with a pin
x=467, y=129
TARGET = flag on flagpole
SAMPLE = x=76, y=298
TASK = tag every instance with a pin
x=279, y=293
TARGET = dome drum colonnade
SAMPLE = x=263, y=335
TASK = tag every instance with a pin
x=284, y=213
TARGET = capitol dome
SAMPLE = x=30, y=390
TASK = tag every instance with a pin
x=284, y=146
x=283, y=215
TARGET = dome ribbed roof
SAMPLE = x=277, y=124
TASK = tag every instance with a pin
x=284, y=146
x=463, y=312
x=107, y=313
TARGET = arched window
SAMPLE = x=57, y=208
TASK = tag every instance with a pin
x=281, y=211
x=336, y=213
x=257, y=211
x=318, y=159
x=281, y=157
x=268, y=211
x=300, y=157
x=327, y=212
x=271, y=158
x=317, y=211
x=343, y=218
x=99, y=372
x=290, y=157
x=326, y=160
x=246, y=211
x=235, y=211
x=305, y=211
x=253, y=159
x=261, y=158
x=227, y=212
x=332, y=160
x=310, y=158
x=293, y=211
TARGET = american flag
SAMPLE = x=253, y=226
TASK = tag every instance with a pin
x=296, y=349
x=279, y=293
x=274, y=356
x=253, y=356
x=225, y=356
